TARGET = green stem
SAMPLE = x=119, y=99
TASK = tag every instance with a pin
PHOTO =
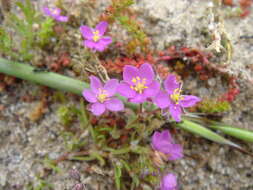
x=68, y=84
x=50, y=79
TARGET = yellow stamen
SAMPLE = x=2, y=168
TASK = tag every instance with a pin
x=139, y=84
x=55, y=11
x=96, y=36
x=102, y=96
x=176, y=97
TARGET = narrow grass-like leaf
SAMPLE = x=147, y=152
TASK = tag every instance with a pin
x=119, y=151
x=117, y=175
x=98, y=157
x=83, y=158
x=83, y=116
x=204, y=132
x=241, y=134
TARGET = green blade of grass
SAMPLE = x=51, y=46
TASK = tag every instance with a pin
x=241, y=134
x=204, y=132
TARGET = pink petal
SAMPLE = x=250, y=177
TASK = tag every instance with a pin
x=90, y=44
x=111, y=87
x=129, y=73
x=162, y=100
x=125, y=90
x=101, y=27
x=165, y=135
x=146, y=71
x=97, y=108
x=169, y=182
x=114, y=104
x=62, y=18
x=152, y=89
x=47, y=11
x=86, y=32
x=106, y=40
x=176, y=152
x=99, y=46
x=175, y=111
x=89, y=96
x=55, y=11
x=161, y=141
x=170, y=84
x=139, y=98
x=95, y=84
x=189, y=101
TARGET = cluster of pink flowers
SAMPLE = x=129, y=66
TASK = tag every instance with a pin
x=138, y=86
x=163, y=142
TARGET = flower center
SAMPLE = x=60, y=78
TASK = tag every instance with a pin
x=139, y=84
x=176, y=97
x=102, y=95
x=96, y=36
x=55, y=12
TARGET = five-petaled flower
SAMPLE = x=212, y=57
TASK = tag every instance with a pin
x=163, y=142
x=173, y=100
x=102, y=97
x=138, y=84
x=55, y=13
x=169, y=182
x=94, y=38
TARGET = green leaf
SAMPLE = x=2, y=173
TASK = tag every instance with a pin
x=118, y=151
x=49, y=164
x=46, y=31
x=28, y=10
x=83, y=116
x=98, y=157
x=204, y=132
x=83, y=158
x=117, y=175
x=242, y=134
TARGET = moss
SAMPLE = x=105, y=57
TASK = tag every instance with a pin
x=213, y=106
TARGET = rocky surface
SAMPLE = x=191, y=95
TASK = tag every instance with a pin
x=207, y=166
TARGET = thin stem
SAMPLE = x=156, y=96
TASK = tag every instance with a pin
x=50, y=79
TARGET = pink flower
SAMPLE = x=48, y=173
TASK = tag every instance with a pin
x=172, y=99
x=163, y=142
x=138, y=84
x=95, y=38
x=55, y=13
x=102, y=97
x=169, y=182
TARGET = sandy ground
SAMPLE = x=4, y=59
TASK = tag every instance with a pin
x=206, y=166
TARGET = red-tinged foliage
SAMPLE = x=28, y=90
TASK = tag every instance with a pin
x=245, y=6
x=245, y=3
x=245, y=13
x=64, y=59
x=2, y=86
x=117, y=65
x=228, y=2
x=181, y=58
x=6, y=81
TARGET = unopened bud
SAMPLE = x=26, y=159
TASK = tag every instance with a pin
x=75, y=175
x=78, y=186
